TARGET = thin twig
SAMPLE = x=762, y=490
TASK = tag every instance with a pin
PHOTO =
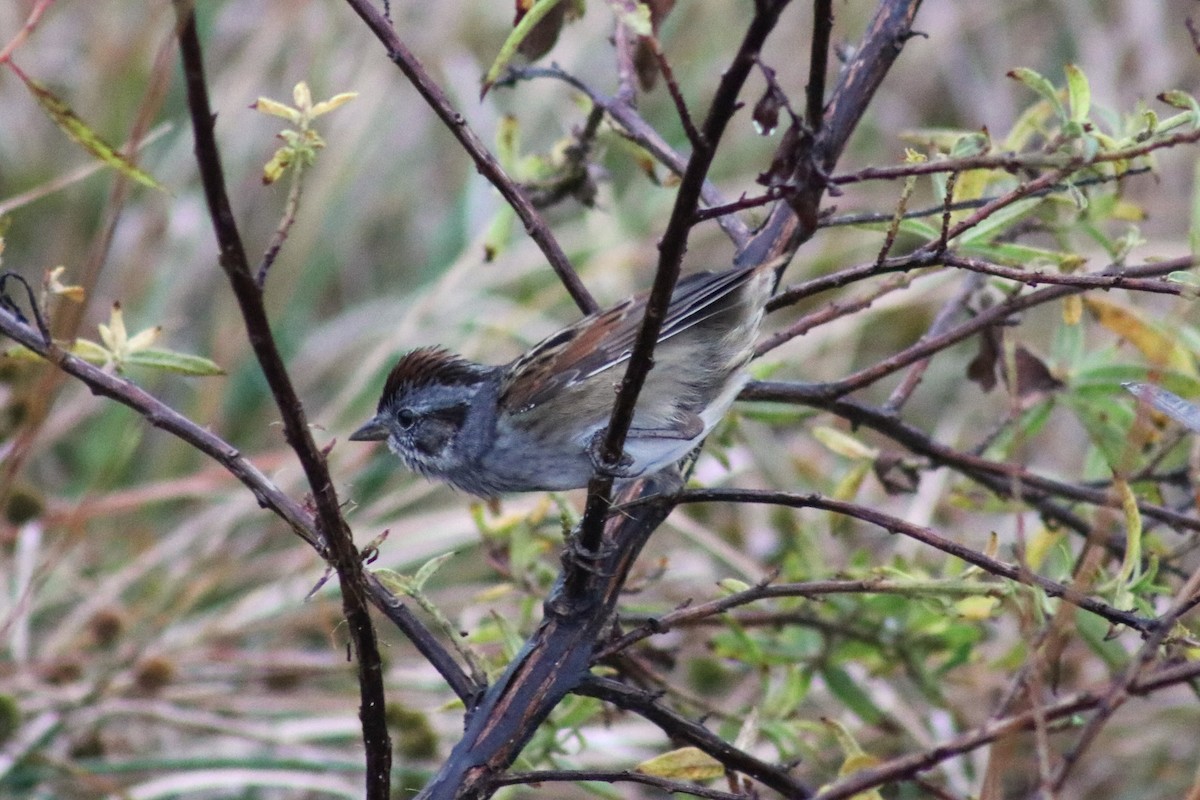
x=818, y=63
x=926, y=536
x=904, y=767
x=671, y=249
x=338, y=539
x=604, y=776
x=995, y=475
x=647, y=705
x=485, y=162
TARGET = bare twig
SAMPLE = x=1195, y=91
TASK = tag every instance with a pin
x=1014, y=162
x=905, y=767
x=818, y=63
x=641, y=133
x=602, y=776
x=336, y=533
x=1115, y=277
x=997, y=476
x=485, y=162
x=671, y=249
x=646, y=705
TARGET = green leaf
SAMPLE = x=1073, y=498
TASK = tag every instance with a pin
x=79, y=132
x=633, y=15
x=1194, y=223
x=170, y=361
x=1079, y=93
x=1000, y=221
x=1023, y=255
x=686, y=763
x=846, y=689
x=509, y=49
x=1043, y=87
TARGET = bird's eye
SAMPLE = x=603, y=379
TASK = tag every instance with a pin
x=406, y=418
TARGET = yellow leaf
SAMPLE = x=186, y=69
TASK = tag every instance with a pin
x=844, y=444
x=338, y=100
x=302, y=97
x=91, y=352
x=1160, y=348
x=686, y=763
x=276, y=109
x=1072, y=309
x=733, y=585
x=976, y=608
x=144, y=339
x=856, y=759
x=1133, y=532
x=1040, y=545
x=273, y=170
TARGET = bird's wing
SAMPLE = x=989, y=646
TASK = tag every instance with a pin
x=601, y=341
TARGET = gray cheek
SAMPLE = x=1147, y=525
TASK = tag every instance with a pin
x=432, y=438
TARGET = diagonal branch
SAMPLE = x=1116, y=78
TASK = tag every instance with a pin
x=336, y=533
x=269, y=496
x=485, y=162
x=925, y=536
x=671, y=249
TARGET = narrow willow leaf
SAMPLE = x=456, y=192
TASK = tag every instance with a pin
x=1133, y=532
x=1079, y=93
x=335, y=102
x=686, y=763
x=1159, y=346
x=91, y=352
x=1194, y=223
x=79, y=132
x=429, y=569
x=509, y=49
x=1043, y=87
x=170, y=361
x=1000, y=221
x=843, y=443
x=976, y=609
x=275, y=108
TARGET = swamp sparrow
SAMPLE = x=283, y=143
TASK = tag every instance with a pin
x=535, y=424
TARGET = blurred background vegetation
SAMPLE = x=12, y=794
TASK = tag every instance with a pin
x=157, y=638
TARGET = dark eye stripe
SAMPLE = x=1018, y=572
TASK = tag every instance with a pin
x=453, y=415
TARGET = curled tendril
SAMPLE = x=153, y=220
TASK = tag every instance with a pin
x=9, y=304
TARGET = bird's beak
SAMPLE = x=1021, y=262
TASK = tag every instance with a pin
x=373, y=431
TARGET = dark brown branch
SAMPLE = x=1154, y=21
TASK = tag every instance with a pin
x=815, y=155
x=603, y=776
x=485, y=162
x=554, y=659
x=905, y=767
x=925, y=536
x=1016, y=161
x=640, y=132
x=818, y=63
x=336, y=533
x=1093, y=280
x=269, y=496
x=671, y=249
x=996, y=475
x=646, y=705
